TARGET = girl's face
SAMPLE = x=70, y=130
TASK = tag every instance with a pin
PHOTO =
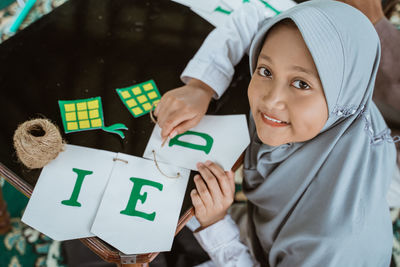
x=285, y=93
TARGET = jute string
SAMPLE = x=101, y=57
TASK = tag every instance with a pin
x=37, y=142
x=154, y=153
x=151, y=113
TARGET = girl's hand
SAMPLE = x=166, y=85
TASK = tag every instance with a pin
x=183, y=108
x=214, y=193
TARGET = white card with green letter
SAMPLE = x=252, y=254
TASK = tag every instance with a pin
x=140, y=208
x=67, y=194
x=221, y=139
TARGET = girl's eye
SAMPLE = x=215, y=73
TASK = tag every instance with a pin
x=301, y=85
x=264, y=72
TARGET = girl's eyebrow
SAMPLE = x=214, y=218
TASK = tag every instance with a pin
x=307, y=71
x=294, y=67
x=265, y=57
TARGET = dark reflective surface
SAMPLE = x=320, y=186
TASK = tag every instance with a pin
x=88, y=48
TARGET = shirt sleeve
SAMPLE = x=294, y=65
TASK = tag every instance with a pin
x=222, y=243
x=224, y=47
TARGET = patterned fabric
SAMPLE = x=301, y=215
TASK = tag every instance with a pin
x=22, y=245
x=9, y=14
x=395, y=18
x=396, y=235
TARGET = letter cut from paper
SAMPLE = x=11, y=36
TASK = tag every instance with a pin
x=139, y=98
x=140, y=208
x=86, y=114
x=207, y=6
x=221, y=139
x=217, y=16
x=67, y=194
x=218, y=12
x=271, y=7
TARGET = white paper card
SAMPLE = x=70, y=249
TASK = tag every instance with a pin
x=221, y=139
x=222, y=11
x=216, y=17
x=204, y=5
x=140, y=208
x=234, y=4
x=78, y=176
x=280, y=5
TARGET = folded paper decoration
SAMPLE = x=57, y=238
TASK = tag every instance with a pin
x=122, y=199
x=218, y=12
x=221, y=139
x=139, y=98
x=86, y=114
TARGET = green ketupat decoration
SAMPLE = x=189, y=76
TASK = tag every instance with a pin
x=139, y=98
x=86, y=114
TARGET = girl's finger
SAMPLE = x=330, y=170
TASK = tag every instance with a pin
x=172, y=119
x=211, y=182
x=203, y=191
x=186, y=125
x=158, y=106
x=231, y=177
x=161, y=107
x=198, y=204
x=222, y=178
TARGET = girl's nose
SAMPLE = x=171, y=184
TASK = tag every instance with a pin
x=275, y=96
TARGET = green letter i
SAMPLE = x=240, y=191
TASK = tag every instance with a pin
x=73, y=201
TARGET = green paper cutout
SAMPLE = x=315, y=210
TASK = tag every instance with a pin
x=73, y=200
x=277, y=12
x=130, y=209
x=268, y=5
x=139, y=98
x=224, y=11
x=86, y=114
x=115, y=128
x=206, y=148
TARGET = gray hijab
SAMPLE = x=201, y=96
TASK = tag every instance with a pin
x=323, y=202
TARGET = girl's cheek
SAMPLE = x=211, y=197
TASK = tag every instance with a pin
x=253, y=91
x=308, y=118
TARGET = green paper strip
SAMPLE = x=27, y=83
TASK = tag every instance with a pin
x=270, y=7
x=220, y=9
x=115, y=128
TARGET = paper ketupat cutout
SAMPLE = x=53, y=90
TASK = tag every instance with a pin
x=139, y=98
x=221, y=139
x=140, y=208
x=86, y=114
x=66, y=197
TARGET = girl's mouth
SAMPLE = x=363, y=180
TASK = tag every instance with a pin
x=271, y=121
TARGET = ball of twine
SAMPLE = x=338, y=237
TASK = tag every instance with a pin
x=37, y=142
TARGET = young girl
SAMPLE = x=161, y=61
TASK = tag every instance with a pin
x=321, y=157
